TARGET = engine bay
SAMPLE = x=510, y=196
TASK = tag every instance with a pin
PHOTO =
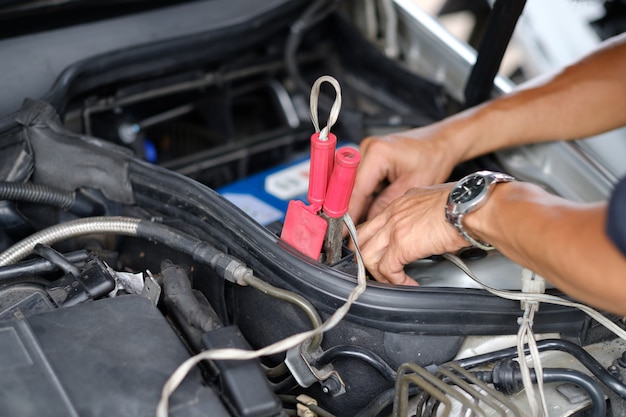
x=142, y=200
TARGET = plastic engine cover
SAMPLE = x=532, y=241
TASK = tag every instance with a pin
x=103, y=358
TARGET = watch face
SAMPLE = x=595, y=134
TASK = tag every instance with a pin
x=468, y=189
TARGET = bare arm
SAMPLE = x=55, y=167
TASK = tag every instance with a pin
x=561, y=240
x=564, y=242
x=584, y=99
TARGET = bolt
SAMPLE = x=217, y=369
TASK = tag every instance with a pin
x=614, y=371
x=330, y=386
x=622, y=360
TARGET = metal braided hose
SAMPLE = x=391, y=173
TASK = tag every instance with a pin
x=75, y=228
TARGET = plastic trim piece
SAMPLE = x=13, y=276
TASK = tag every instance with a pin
x=435, y=311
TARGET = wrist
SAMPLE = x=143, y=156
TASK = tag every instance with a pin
x=468, y=196
x=461, y=137
x=485, y=223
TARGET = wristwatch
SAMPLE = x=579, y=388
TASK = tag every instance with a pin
x=469, y=194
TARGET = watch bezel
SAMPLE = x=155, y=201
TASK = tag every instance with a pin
x=455, y=210
x=460, y=207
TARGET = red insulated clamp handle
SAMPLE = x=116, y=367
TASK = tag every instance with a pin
x=341, y=182
x=322, y=156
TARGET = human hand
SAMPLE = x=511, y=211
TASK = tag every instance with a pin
x=412, y=227
x=413, y=158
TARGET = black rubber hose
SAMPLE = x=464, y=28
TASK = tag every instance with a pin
x=357, y=352
x=286, y=385
x=378, y=404
x=225, y=265
x=200, y=250
x=37, y=267
x=315, y=13
x=71, y=201
x=382, y=401
x=598, y=403
x=513, y=377
x=57, y=259
x=178, y=291
x=378, y=307
x=554, y=344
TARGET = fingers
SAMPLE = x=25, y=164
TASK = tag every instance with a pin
x=379, y=252
x=401, y=161
x=373, y=243
x=373, y=170
x=391, y=268
x=411, y=228
x=386, y=197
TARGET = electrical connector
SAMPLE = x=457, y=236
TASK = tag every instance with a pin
x=93, y=282
x=302, y=408
x=531, y=284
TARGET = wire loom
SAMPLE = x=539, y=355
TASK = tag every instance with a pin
x=449, y=388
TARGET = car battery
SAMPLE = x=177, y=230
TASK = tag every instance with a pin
x=266, y=195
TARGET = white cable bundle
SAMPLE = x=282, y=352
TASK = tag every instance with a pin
x=530, y=303
x=531, y=284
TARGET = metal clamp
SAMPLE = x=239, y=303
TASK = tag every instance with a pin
x=299, y=361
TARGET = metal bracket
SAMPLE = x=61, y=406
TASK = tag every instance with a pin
x=299, y=360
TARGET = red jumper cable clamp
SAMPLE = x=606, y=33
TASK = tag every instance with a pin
x=331, y=179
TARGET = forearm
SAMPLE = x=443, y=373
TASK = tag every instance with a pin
x=584, y=99
x=562, y=241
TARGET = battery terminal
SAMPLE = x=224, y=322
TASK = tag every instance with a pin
x=331, y=180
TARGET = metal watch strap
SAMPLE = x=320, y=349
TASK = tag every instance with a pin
x=474, y=242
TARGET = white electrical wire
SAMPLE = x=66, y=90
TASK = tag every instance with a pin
x=334, y=110
x=526, y=332
x=283, y=345
x=541, y=298
x=532, y=304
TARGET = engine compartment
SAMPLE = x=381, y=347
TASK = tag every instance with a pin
x=121, y=169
